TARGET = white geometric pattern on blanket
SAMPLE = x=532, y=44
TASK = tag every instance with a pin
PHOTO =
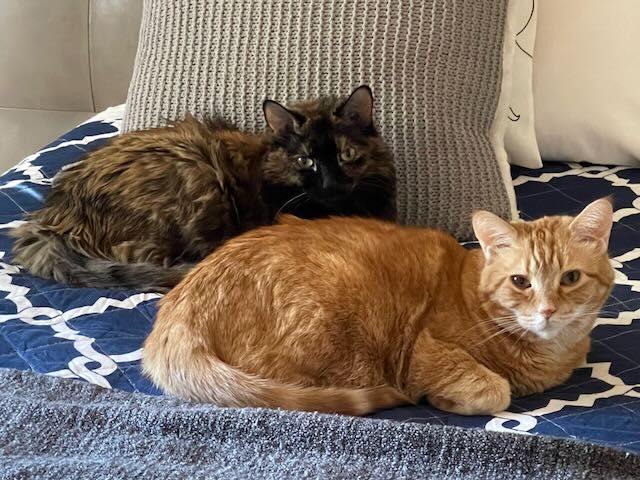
x=621, y=278
x=526, y=421
x=57, y=319
x=592, y=171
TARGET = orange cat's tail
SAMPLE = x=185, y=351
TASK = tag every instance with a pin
x=212, y=381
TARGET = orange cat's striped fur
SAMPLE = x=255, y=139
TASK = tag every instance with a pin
x=353, y=315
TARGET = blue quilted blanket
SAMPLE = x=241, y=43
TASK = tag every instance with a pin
x=96, y=335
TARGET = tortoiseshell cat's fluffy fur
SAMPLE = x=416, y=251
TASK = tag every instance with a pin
x=351, y=315
x=139, y=211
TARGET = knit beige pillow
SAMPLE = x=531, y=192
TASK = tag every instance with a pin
x=435, y=67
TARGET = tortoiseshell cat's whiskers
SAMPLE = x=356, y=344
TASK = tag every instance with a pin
x=291, y=202
x=366, y=183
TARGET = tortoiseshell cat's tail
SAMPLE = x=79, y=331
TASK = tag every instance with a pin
x=147, y=277
x=45, y=254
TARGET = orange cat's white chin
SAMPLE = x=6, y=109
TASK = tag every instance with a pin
x=540, y=329
x=546, y=329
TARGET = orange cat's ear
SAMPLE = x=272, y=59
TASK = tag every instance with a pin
x=280, y=119
x=492, y=232
x=593, y=225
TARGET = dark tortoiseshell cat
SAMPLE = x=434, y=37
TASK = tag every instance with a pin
x=139, y=211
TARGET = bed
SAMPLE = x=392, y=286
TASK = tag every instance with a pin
x=96, y=335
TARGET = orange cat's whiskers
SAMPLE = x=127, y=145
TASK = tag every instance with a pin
x=490, y=324
x=506, y=317
x=502, y=329
x=519, y=339
x=599, y=312
x=500, y=332
x=497, y=321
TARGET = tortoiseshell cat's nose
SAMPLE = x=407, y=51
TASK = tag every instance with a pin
x=328, y=180
x=329, y=184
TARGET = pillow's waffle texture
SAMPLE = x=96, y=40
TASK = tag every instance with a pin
x=435, y=66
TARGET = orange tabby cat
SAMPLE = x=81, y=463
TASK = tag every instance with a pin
x=352, y=315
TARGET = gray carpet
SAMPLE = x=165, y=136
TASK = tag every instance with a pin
x=65, y=429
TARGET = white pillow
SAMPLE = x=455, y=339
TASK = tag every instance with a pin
x=586, y=81
x=520, y=138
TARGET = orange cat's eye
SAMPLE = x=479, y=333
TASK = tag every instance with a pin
x=570, y=277
x=520, y=281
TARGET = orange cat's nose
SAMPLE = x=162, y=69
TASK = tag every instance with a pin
x=547, y=312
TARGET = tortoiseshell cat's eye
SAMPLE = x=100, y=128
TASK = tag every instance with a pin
x=306, y=163
x=348, y=155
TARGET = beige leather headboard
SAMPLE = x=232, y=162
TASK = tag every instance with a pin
x=61, y=61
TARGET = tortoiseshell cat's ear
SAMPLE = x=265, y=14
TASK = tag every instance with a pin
x=280, y=119
x=358, y=108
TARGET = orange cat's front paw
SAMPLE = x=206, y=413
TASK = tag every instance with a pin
x=478, y=394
